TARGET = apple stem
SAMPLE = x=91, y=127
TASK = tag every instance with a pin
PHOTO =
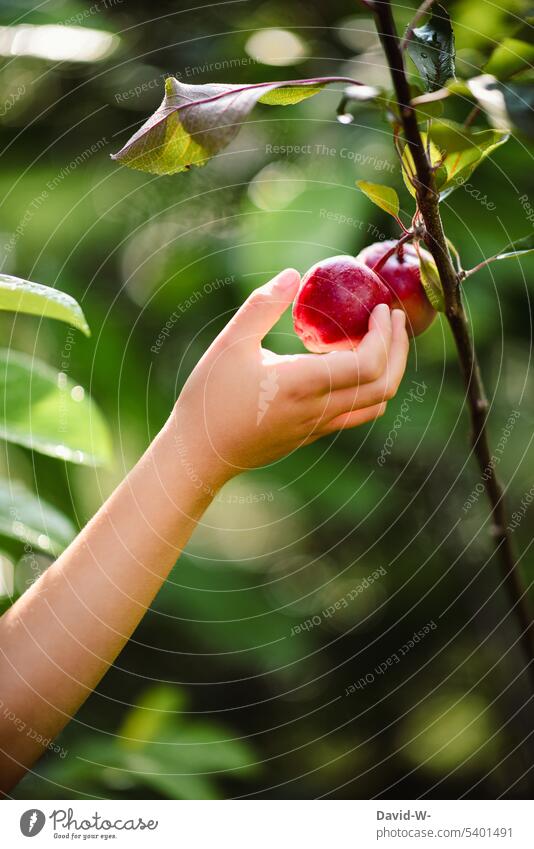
x=408, y=236
x=401, y=225
x=428, y=204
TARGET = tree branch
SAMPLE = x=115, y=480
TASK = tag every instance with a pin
x=428, y=203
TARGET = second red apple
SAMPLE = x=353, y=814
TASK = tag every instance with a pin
x=401, y=275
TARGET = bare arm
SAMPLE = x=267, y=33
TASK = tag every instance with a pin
x=61, y=636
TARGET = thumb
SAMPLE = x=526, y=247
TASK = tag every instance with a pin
x=264, y=306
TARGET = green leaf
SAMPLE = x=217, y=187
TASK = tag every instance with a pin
x=383, y=196
x=430, y=279
x=462, y=150
x=154, y=709
x=408, y=165
x=43, y=410
x=18, y=295
x=29, y=519
x=455, y=152
x=518, y=248
x=194, y=122
x=175, y=755
x=431, y=109
x=164, y=779
x=287, y=95
x=207, y=746
x=510, y=57
x=431, y=48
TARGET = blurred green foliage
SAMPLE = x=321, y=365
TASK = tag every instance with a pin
x=217, y=694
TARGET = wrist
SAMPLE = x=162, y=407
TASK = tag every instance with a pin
x=193, y=455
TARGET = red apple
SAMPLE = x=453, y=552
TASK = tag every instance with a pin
x=401, y=275
x=335, y=299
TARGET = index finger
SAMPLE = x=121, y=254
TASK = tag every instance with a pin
x=368, y=361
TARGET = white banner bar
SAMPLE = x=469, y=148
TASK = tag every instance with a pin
x=267, y=824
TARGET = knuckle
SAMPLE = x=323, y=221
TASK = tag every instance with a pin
x=376, y=367
x=255, y=300
x=294, y=393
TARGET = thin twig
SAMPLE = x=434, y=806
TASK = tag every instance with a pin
x=428, y=203
x=422, y=10
x=480, y=265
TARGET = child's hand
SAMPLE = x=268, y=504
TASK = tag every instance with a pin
x=244, y=406
x=241, y=407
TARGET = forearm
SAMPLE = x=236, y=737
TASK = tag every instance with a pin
x=59, y=639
